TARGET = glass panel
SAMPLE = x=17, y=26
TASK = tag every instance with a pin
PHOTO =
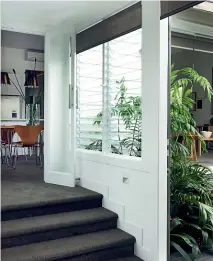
x=89, y=96
x=123, y=64
x=109, y=96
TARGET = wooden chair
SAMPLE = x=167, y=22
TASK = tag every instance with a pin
x=29, y=139
x=210, y=128
x=193, y=155
x=193, y=151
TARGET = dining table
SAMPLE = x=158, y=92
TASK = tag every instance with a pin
x=196, y=138
x=199, y=144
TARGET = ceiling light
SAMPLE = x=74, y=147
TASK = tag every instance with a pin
x=191, y=49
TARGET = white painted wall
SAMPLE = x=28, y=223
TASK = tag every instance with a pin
x=203, y=64
x=9, y=105
x=13, y=58
x=57, y=167
x=141, y=202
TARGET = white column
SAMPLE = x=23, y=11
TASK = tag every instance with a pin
x=154, y=108
x=58, y=166
x=73, y=104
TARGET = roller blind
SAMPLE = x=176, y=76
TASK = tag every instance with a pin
x=190, y=42
x=127, y=20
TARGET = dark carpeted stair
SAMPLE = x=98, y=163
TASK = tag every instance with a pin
x=75, y=229
x=131, y=258
x=51, y=207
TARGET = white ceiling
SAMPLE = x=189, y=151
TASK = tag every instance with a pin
x=197, y=15
x=205, y=6
x=37, y=17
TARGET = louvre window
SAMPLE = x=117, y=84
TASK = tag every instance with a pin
x=109, y=96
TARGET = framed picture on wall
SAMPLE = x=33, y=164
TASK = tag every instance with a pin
x=194, y=98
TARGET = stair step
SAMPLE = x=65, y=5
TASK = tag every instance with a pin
x=131, y=258
x=43, y=228
x=12, y=212
x=93, y=246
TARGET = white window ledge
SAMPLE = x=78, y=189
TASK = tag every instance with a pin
x=126, y=162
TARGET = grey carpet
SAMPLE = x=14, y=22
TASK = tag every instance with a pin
x=48, y=222
x=25, y=186
x=127, y=259
x=68, y=247
x=80, y=235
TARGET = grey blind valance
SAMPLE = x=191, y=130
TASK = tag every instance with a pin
x=124, y=22
x=190, y=42
x=22, y=40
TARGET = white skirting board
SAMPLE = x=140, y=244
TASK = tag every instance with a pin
x=59, y=178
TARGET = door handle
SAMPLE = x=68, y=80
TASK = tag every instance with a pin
x=69, y=96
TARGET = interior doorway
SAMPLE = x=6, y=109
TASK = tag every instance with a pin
x=190, y=128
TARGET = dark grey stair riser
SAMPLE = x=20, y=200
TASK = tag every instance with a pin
x=56, y=233
x=130, y=258
x=101, y=255
x=51, y=209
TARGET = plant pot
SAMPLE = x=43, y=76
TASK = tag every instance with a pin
x=206, y=134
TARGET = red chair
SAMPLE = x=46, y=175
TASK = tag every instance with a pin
x=7, y=133
x=29, y=139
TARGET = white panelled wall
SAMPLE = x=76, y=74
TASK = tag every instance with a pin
x=134, y=188
x=58, y=167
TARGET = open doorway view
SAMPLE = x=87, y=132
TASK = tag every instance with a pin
x=22, y=98
x=191, y=112
x=100, y=191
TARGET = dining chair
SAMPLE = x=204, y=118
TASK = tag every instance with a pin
x=7, y=133
x=28, y=139
x=193, y=151
x=3, y=153
x=210, y=147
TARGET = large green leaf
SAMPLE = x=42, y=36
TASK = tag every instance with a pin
x=183, y=253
